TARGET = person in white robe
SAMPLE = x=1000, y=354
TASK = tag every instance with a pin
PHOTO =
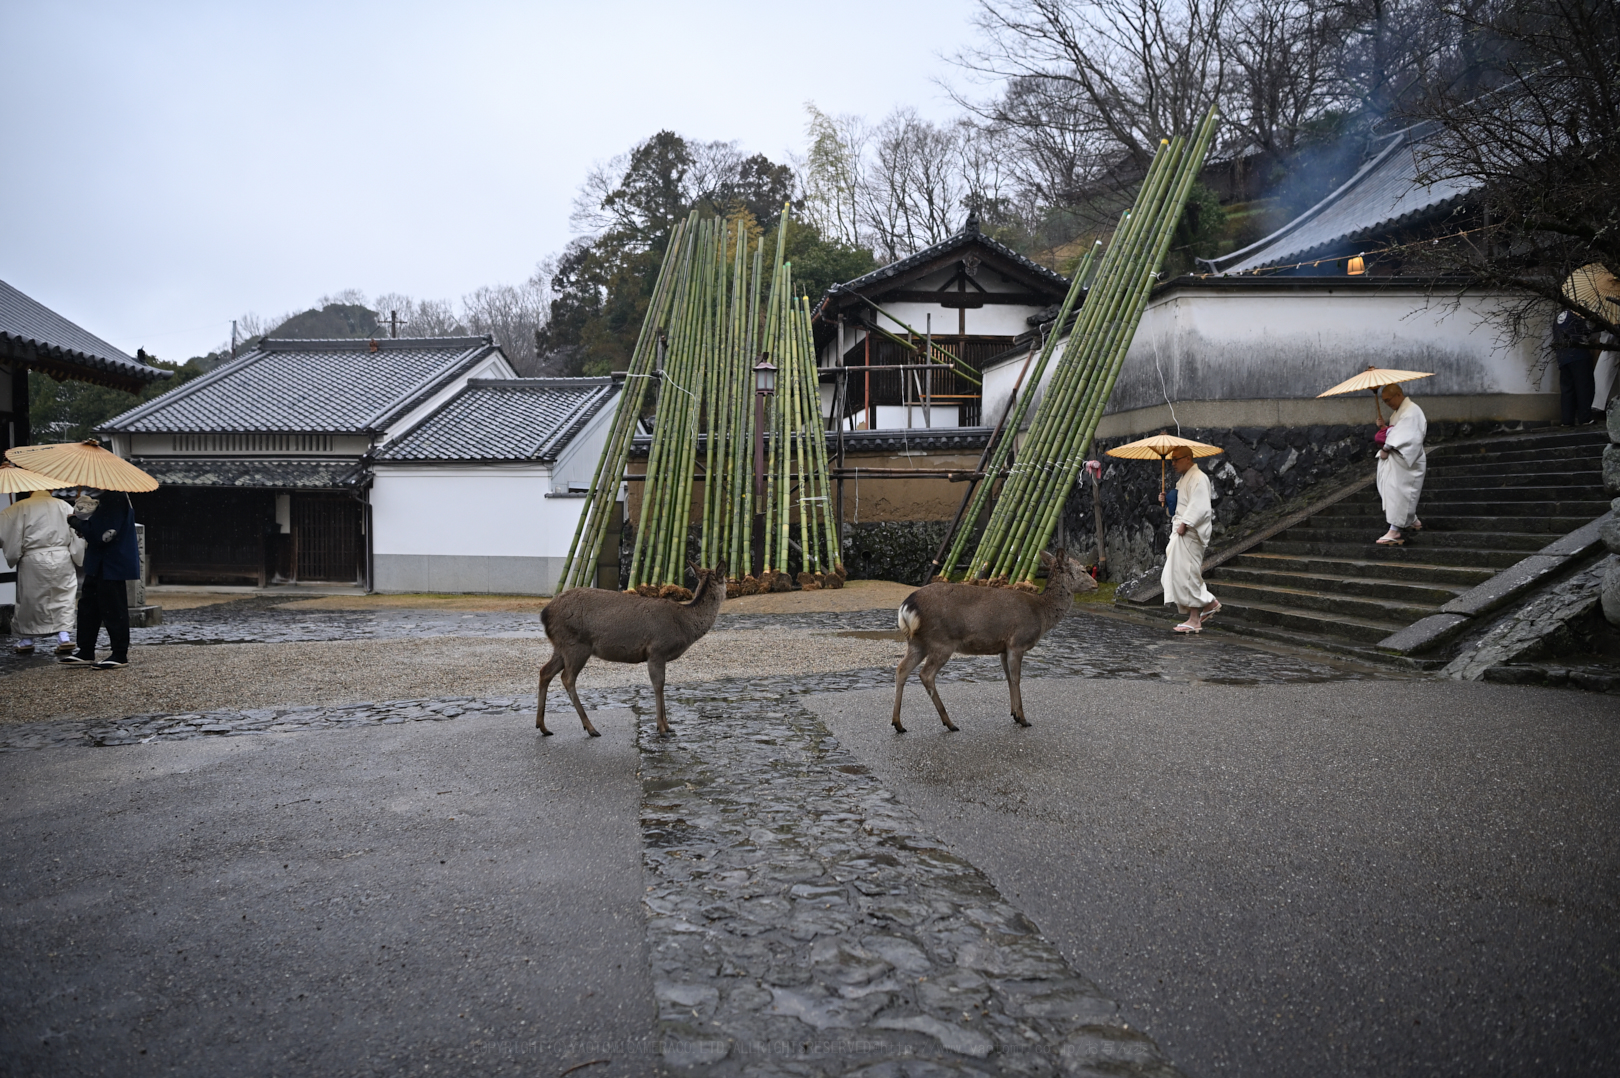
x=36, y=539
x=1183, y=576
x=1402, y=464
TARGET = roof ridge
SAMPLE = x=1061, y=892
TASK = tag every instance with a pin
x=359, y=344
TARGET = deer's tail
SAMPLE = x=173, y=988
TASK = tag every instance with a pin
x=910, y=618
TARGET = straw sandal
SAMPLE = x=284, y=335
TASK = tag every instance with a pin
x=1189, y=628
x=1205, y=615
x=1391, y=538
x=23, y=649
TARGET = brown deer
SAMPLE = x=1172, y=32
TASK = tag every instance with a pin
x=622, y=627
x=943, y=619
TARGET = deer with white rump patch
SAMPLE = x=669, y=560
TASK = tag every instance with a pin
x=943, y=619
x=623, y=627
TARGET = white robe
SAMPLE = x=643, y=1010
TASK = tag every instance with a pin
x=1400, y=475
x=35, y=537
x=1183, y=576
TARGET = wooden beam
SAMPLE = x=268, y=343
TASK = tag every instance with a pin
x=966, y=299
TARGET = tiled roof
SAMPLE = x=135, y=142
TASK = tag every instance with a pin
x=1384, y=194
x=277, y=474
x=508, y=419
x=52, y=342
x=318, y=386
x=969, y=236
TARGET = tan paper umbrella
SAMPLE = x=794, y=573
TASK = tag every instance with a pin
x=82, y=464
x=1374, y=378
x=1594, y=287
x=1160, y=446
x=15, y=480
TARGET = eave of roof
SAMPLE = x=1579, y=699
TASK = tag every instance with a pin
x=35, y=336
x=925, y=260
x=1362, y=207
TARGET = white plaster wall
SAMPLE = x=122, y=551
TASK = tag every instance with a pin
x=576, y=465
x=473, y=511
x=993, y=319
x=1262, y=345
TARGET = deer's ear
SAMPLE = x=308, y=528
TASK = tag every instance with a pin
x=1047, y=560
x=720, y=568
x=696, y=572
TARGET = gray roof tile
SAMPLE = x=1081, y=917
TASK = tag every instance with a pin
x=293, y=385
x=1384, y=193
x=504, y=419
x=277, y=474
x=29, y=322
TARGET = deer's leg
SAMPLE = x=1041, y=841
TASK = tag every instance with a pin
x=655, y=670
x=571, y=668
x=913, y=656
x=548, y=670
x=1014, y=662
x=930, y=669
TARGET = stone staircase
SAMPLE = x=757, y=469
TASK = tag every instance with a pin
x=1487, y=503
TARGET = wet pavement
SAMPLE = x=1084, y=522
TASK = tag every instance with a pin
x=811, y=902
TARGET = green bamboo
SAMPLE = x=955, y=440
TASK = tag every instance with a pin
x=1088, y=349
x=1014, y=421
x=577, y=569
x=1080, y=442
x=1078, y=363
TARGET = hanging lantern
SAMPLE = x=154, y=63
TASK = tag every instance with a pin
x=1357, y=266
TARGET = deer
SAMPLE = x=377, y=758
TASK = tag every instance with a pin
x=623, y=627
x=942, y=619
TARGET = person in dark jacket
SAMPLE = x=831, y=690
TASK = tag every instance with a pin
x=1577, y=363
x=111, y=557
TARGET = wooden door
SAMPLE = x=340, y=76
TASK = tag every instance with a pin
x=327, y=545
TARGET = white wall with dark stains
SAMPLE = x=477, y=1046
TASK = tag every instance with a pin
x=1253, y=353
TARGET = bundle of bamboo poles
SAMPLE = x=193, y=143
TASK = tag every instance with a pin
x=1054, y=450
x=704, y=330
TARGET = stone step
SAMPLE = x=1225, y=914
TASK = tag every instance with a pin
x=1480, y=540
x=1417, y=592
x=1468, y=557
x=1550, y=441
x=1462, y=470
x=1574, y=509
x=1361, y=630
x=1549, y=492
x=1441, y=459
x=1461, y=576
x=1542, y=524
x=1382, y=611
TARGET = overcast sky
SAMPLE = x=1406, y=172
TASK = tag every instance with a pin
x=170, y=166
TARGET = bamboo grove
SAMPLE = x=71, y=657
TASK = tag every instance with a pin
x=706, y=326
x=1053, y=451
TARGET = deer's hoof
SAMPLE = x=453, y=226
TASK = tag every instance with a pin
x=1019, y=719
x=593, y=733
x=544, y=732
x=899, y=729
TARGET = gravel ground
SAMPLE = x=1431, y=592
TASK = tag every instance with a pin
x=184, y=679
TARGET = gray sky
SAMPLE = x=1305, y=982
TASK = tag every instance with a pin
x=172, y=165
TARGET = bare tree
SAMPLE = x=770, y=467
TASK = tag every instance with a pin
x=1144, y=69
x=512, y=314
x=916, y=192
x=1541, y=145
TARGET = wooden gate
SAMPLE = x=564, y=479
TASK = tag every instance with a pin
x=327, y=544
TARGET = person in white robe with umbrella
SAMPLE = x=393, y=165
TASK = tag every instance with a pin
x=1183, y=576
x=35, y=538
x=1402, y=464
